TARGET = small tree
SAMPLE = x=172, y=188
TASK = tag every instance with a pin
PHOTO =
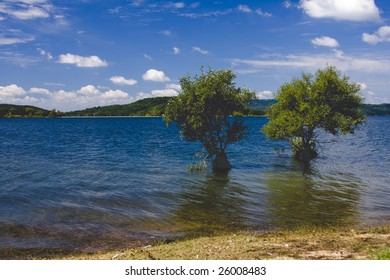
x=204, y=112
x=325, y=101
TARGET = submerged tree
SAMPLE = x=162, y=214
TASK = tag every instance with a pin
x=326, y=101
x=206, y=111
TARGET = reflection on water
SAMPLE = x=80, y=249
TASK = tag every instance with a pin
x=209, y=203
x=90, y=184
x=302, y=196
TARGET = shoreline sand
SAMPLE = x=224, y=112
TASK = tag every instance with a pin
x=300, y=244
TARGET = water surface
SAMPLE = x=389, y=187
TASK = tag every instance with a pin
x=101, y=183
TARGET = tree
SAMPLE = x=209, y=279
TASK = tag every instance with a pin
x=325, y=101
x=204, y=112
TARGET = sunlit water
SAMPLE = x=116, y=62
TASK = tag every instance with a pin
x=101, y=183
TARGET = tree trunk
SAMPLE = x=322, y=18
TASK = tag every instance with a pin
x=221, y=163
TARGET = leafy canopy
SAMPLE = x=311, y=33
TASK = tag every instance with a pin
x=326, y=100
x=202, y=111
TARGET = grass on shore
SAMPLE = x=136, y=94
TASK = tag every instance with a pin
x=301, y=244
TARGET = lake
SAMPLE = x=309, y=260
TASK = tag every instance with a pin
x=88, y=184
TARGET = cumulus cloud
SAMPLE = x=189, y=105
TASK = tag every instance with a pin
x=380, y=36
x=86, y=96
x=155, y=76
x=176, y=87
x=82, y=61
x=199, y=50
x=357, y=10
x=119, y=80
x=36, y=90
x=170, y=90
x=266, y=94
x=15, y=94
x=164, y=92
x=325, y=42
x=11, y=90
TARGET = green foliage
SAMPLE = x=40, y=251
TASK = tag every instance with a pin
x=21, y=111
x=144, y=107
x=376, y=109
x=383, y=254
x=207, y=110
x=325, y=101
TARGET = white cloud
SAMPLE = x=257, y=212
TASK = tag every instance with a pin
x=119, y=80
x=36, y=90
x=178, y=5
x=176, y=87
x=148, y=57
x=199, y=50
x=82, y=61
x=363, y=86
x=89, y=90
x=170, y=90
x=115, y=94
x=176, y=50
x=313, y=62
x=164, y=92
x=86, y=96
x=15, y=94
x=11, y=91
x=382, y=35
x=325, y=42
x=166, y=33
x=287, y=4
x=12, y=41
x=155, y=76
x=26, y=10
x=266, y=94
x=45, y=54
x=30, y=13
x=356, y=10
x=246, y=9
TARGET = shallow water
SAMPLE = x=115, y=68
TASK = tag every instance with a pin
x=99, y=183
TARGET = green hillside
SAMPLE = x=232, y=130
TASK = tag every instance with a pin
x=376, y=109
x=150, y=107
x=144, y=107
x=22, y=111
x=153, y=107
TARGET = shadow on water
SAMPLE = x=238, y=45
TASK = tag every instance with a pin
x=211, y=205
x=302, y=196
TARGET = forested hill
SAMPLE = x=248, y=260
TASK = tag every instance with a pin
x=144, y=107
x=153, y=107
x=22, y=111
x=149, y=107
x=156, y=106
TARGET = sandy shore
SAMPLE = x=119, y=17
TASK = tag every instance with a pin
x=306, y=243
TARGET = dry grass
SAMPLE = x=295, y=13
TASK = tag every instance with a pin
x=312, y=244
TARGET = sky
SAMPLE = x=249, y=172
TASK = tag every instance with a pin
x=70, y=55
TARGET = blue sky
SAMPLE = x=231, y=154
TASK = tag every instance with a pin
x=72, y=55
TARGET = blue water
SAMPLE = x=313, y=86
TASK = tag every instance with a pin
x=100, y=183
